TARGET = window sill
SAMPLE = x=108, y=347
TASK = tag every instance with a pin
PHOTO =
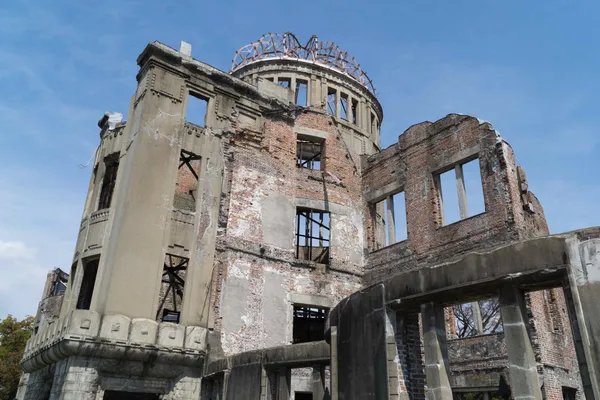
x=462, y=220
x=397, y=244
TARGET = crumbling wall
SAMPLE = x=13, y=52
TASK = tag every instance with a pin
x=422, y=152
x=552, y=340
x=257, y=269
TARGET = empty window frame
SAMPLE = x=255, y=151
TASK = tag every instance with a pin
x=186, y=186
x=373, y=124
x=86, y=290
x=476, y=318
x=476, y=396
x=569, y=393
x=301, y=96
x=344, y=106
x=309, y=152
x=390, y=220
x=331, y=101
x=303, y=396
x=59, y=282
x=309, y=323
x=196, y=110
x=312, y=235
x=170, y=297
x=460, y=192
x=354, y=111
x=284, y=82
x=109, y=180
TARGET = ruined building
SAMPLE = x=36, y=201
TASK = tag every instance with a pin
x=244, y=236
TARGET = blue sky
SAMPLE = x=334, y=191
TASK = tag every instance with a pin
x=530, y=68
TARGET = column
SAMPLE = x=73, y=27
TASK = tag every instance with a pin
x=524, y=380
x=462, y=193
x=337, y=103
x=333, y=363
x=131, y=265
x=436, y=352
x=390, y=220
x=284, y=384
x=318, y=382
x=477, y=317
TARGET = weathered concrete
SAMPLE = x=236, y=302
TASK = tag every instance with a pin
x=436, y=352
x=524, y=380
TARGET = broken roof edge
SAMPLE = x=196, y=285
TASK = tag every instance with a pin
x=160, y=49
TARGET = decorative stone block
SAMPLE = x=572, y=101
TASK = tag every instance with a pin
x=115, y=327
x=195, y=338
x=170, y=334
x=143, y=331
x=84, y=323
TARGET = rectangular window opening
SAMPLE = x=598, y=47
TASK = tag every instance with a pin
x=170, y=298
x=344, y=106
x=460, y=192
x=301, y=93
x=312, y=235
x=309, y=152
x=197, y=108
x=474, y=319
x=390, y=220
x=86, y=290
x=186, y=186
x=109, y=180
x=331, y=101
x=354, y=111
x=303, y=396
x=372, y=124
x=309, y=323
x=569, y=393
x=59, y=282
x=476, y=396
x=284, y=82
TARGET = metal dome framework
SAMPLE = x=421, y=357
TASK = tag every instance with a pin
x=275, y=45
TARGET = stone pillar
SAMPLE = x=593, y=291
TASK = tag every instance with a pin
x=391, y=221
x=462, y=193
x=337, y=103
x=131, y=265
x=334, y=363
x=318, y=382
x=284, y=384
x=524, y=380
x=436, y=352
x=582, y=301
x=477, y=317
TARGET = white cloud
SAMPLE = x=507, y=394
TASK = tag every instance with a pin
x=15, y=250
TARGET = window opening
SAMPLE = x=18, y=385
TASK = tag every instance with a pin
x=344, y=106
x=331, y=101
x=171, y=290
x=476, y=318
x=460, y=192
x=372, y=124
x=196, y=110
x=309, y=152
x=354, y=111
x=569, y=393
x=301, y=93
x=59, y=282
x=111, y=167
x=284, y=82
x=390, y=220
x=477, y=396
x=312, y=235
x=309, y=323
x=90, y=269
x=303, y=396
x=186, y=186
x=121, y=395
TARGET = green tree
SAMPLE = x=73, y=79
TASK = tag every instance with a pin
x=13, y=336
